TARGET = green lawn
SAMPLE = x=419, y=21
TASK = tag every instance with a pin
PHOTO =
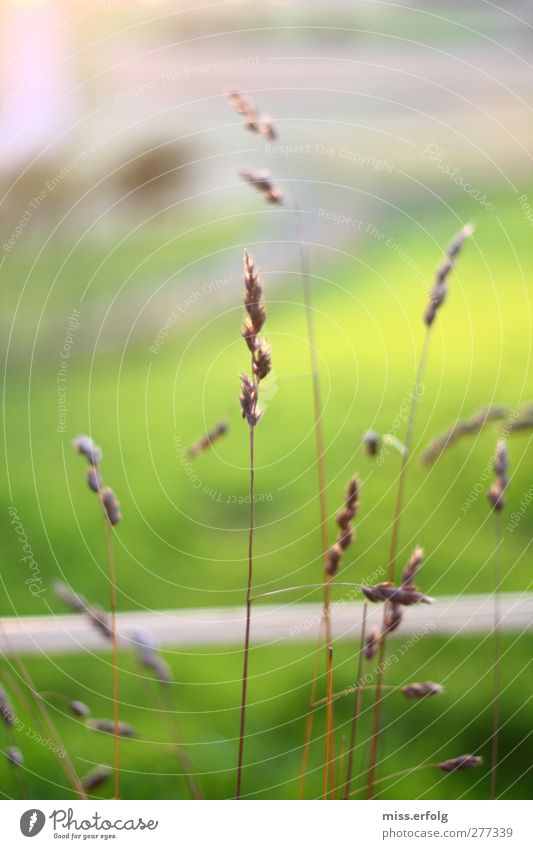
x=182, y=541
x=205, y=698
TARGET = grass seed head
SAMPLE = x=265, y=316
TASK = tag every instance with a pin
x=263, y=183
x=111, y=505
x=90, y=450
x=203, y=443
x=79, y=709
x=96, y=777
x=6, y=711
x=413, y=566
x=107, y=726
x=440, y=288
x=462, y=762
x=14, y=756
x=371, y=644
x=420, y=691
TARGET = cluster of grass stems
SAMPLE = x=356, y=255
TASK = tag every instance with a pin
x=396, y=596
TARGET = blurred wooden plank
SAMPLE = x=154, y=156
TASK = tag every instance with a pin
x=270, y=624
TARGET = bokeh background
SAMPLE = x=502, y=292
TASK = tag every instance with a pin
x=123, y=226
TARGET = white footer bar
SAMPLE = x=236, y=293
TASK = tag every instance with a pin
x=262, y=825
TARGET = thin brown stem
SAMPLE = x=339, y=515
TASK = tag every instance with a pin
x=329, y=787
x=310, y=713
x=393, y=552
x=342, y=758
x=248, y=617
x=113, y=586
x=305, y=275
x=497, y=656
x=356, y=706
x=321, y=469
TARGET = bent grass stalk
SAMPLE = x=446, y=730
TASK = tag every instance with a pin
x=451, y=765
x=174, y=734
x=65, y=761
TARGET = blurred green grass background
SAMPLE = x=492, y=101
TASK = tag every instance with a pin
x=207, y=713
x=183, y=543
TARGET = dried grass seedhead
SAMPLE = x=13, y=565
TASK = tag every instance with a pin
x=371, y=442
x=206, y=441
x=6, y=711
x=462, y=762
x=100, y=620
x=244, y=106
x=253, y=296
x=501, y=468
x=107, y=726
x=524, y=420
x=253, y=121
x=148, y=656
x=94, y=479
x=439, y=291
x=463, y=428
x=413, y=566
x=96, y=777
x=405, y=595
x=371, y=644
x=263, y=183
x=257, y=345
x=267, y=128
x=77, y=603
x=392, y=618
x=79, y=709
x=14, y=756
x=249, y=401
x=111, y=505
x=72, y=600
x=90, y=450
x=87, y=447
x=344, y=519
x=421, y=691
x=262, y=364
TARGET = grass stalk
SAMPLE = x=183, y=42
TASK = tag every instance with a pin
x=65, y=761
x=175, y=737
x=261, y=364
x=393, y=552
x=356, y=706
x=497, y=657
x=248, y=616
x=329, y=782
x=114, y=640
x=310, y=713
